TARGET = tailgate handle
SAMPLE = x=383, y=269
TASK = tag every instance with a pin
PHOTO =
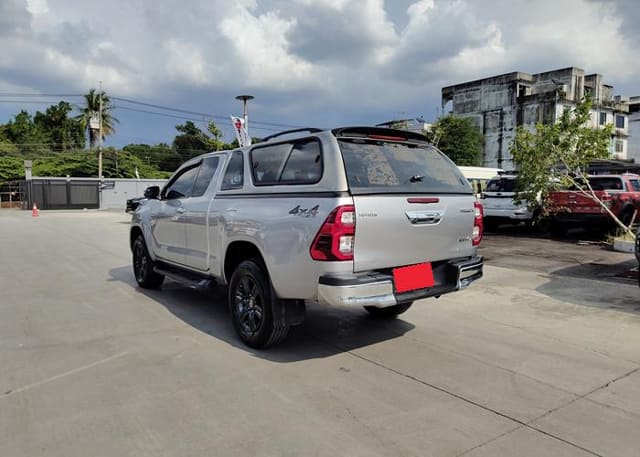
x=424, y=217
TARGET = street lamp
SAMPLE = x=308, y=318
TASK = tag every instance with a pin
x=245, y=99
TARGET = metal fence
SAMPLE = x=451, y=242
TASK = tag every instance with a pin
x=62, y=193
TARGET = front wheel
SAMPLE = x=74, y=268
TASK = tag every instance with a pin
x=251, y=299
x=388, y=312
x=143, y=266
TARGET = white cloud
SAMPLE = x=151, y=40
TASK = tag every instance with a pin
x=310, y=61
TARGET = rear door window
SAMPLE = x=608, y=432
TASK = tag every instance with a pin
x=234, y=175
x=374, y=166
x=298, y=162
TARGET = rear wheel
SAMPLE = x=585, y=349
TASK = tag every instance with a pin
x=490, y=224
x=388, y=312
x=626, y=216
x=251, y=299
x=143, y=266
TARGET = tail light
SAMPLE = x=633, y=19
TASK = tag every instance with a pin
x=607, y=199
x=335, y=238
x=478, y=226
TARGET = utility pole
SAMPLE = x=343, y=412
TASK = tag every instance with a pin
x=100, y=134
x=245, y=99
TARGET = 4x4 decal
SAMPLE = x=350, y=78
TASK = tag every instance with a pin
x=304, y=212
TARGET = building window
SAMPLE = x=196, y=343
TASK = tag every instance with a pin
x=603, y=118
x=619, y=147
x=619, y=122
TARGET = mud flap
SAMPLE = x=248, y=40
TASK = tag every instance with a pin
x=288, y=312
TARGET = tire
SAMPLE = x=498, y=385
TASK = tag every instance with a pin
x=490, y=224
x=625, y=217
x=251, y=298
x=388, y=312
x=143, y=266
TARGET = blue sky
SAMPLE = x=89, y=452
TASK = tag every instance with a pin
x=320, y=63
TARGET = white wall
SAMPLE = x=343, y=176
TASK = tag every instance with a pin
x=633, y=145
x=124, y=189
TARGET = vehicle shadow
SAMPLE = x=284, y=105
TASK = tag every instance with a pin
x=327, y=331
x=617, y=291
x=572, y=234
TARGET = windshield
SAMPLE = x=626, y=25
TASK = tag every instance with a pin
x=383, y=167
x=501, y=185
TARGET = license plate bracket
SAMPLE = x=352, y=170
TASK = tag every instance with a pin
x=413, y=277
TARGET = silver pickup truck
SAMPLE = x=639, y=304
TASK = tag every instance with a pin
x=354, y=216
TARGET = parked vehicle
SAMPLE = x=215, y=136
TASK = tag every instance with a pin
x=637, y=251
x=478, y=177
x=620, y=193
x=355, y=216
x=133, y=203
x=500, y=204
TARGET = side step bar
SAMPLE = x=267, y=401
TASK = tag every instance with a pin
x=188, y=278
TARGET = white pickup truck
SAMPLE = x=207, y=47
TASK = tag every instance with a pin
x=354, y=216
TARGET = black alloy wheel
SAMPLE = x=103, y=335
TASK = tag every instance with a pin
x=249, y=302
x=143, y=266
x=251, y=299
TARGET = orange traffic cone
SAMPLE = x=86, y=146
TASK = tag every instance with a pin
x=35, y=212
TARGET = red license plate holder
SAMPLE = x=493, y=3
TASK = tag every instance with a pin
x=413, y=277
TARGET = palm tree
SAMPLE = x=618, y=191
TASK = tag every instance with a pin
x=91, y=111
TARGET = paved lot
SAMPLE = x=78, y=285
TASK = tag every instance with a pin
x=539, y=358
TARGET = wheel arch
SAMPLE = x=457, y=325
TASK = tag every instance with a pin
x=238, y=251
x=135, y=232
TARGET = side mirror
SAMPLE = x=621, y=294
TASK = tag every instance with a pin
x=152, y=192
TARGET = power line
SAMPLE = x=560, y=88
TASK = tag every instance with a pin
x=190, y=118
x=17, y=94
x=150, y=105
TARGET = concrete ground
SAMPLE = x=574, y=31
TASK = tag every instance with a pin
x=539, y=358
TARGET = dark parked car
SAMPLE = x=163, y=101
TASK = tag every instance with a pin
x=133, y=203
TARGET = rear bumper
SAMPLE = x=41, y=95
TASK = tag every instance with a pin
x=376, y=288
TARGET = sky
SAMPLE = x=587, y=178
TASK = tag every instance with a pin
x=308, y=63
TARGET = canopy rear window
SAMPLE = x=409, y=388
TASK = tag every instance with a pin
x=606, y=183
x=374, y=166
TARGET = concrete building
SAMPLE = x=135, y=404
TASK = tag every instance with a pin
x=499, y=104
x=633, y=145
x=417, y=125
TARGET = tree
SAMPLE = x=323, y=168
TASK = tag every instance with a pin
x=558, y=156
x=91, y=109
x=216, y=136
x=160, y=156
x=63, y=132
x=459, y=139
x=24, y=134
x=193, y=141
